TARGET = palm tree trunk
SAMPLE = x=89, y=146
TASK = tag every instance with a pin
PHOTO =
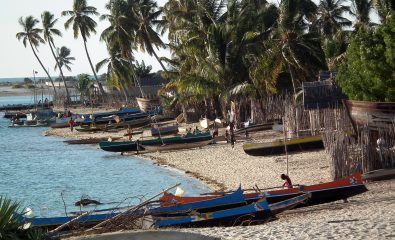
x=42, y=65
x=124, y=91
x=292, y=78
x=60, y=69
x=94, y=73
x=160, y=62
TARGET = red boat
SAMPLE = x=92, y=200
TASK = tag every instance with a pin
x=320, y=193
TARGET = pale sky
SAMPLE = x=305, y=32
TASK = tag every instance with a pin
x=18, y=61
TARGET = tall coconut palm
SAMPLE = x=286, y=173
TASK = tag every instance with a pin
x=361, y=10
x=330, y=19
x=31, y=36
x=83, y=25
x=49, y=31
x=292, y=46
x=146, y=14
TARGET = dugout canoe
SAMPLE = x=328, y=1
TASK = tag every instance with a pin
x=278, y=146
x=127, y=146
x=320, y=193
x=175, y=146
x=164, y=130
x=379, y=174
x=89, y=140
x=256, y=212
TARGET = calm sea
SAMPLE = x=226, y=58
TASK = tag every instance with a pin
x=38, y=171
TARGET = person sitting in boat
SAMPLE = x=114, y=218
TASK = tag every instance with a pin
x=288, y=182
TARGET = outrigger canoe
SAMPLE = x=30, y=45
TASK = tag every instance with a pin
x=127, y=146
x=320, y=193
x=278, y=146
x=253, y=213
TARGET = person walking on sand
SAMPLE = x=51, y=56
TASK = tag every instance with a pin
x=71, y=124
x=288, y=182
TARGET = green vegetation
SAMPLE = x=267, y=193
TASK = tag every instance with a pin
x=10, y=227
x=235, y=49
x=368, y=73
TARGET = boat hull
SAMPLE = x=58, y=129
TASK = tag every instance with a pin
x=278, y=147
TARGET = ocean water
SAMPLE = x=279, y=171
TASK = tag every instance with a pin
x=45, y=174
x=9, y=100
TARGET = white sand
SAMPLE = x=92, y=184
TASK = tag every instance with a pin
x=367, y=216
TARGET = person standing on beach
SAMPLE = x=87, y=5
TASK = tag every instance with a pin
x=288, y=182
x=71, y=124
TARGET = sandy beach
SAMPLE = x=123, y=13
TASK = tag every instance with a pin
x=367, y=216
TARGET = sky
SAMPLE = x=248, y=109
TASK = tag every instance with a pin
x=18, y=61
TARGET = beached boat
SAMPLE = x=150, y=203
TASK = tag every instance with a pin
x=213, y=204
x=164, y=130
x=320, y=193
x=278, y=146
x=253, y=213
x=127, y=146
x=90, y=128
x=89, y=140
x=50, y=223
x=139, y=122
x=379, y=174
x=255, y=128
x=147, y=104
x=175, y=146
x=373, y=114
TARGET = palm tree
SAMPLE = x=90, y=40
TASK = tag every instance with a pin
x=330, y=19
x=49, y=32
x=146, y=14
x=83, y=24
x=119, y=72
x=361, y=11
x=299, y=51
x=84, y=86
x=64, y=59
x=31, y=36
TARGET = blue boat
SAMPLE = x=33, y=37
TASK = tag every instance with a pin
x=254, y=213
x=53, y=222
x=228, y=201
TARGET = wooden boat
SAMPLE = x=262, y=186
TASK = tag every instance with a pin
x=112, y=119
x=89, y=140
x=255, y=128
x=90, y=128
x=320, y=193
x=277, y=146
x=220, y=202
x=255, y=212
x=132, y=145
x=374, y=114
x=53, y=222
x=175, y=146
x=147, y=104
x=164, y=130
x=139, y=122
x=379, y=174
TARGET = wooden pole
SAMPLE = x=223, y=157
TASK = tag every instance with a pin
x=130, y=209
x=285, y=143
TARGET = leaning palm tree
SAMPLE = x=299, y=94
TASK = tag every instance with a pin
x=83, y=24
x=49, y=31
x=31, y=36
x=146, y=14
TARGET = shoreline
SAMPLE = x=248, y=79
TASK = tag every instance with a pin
x=368, y=215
